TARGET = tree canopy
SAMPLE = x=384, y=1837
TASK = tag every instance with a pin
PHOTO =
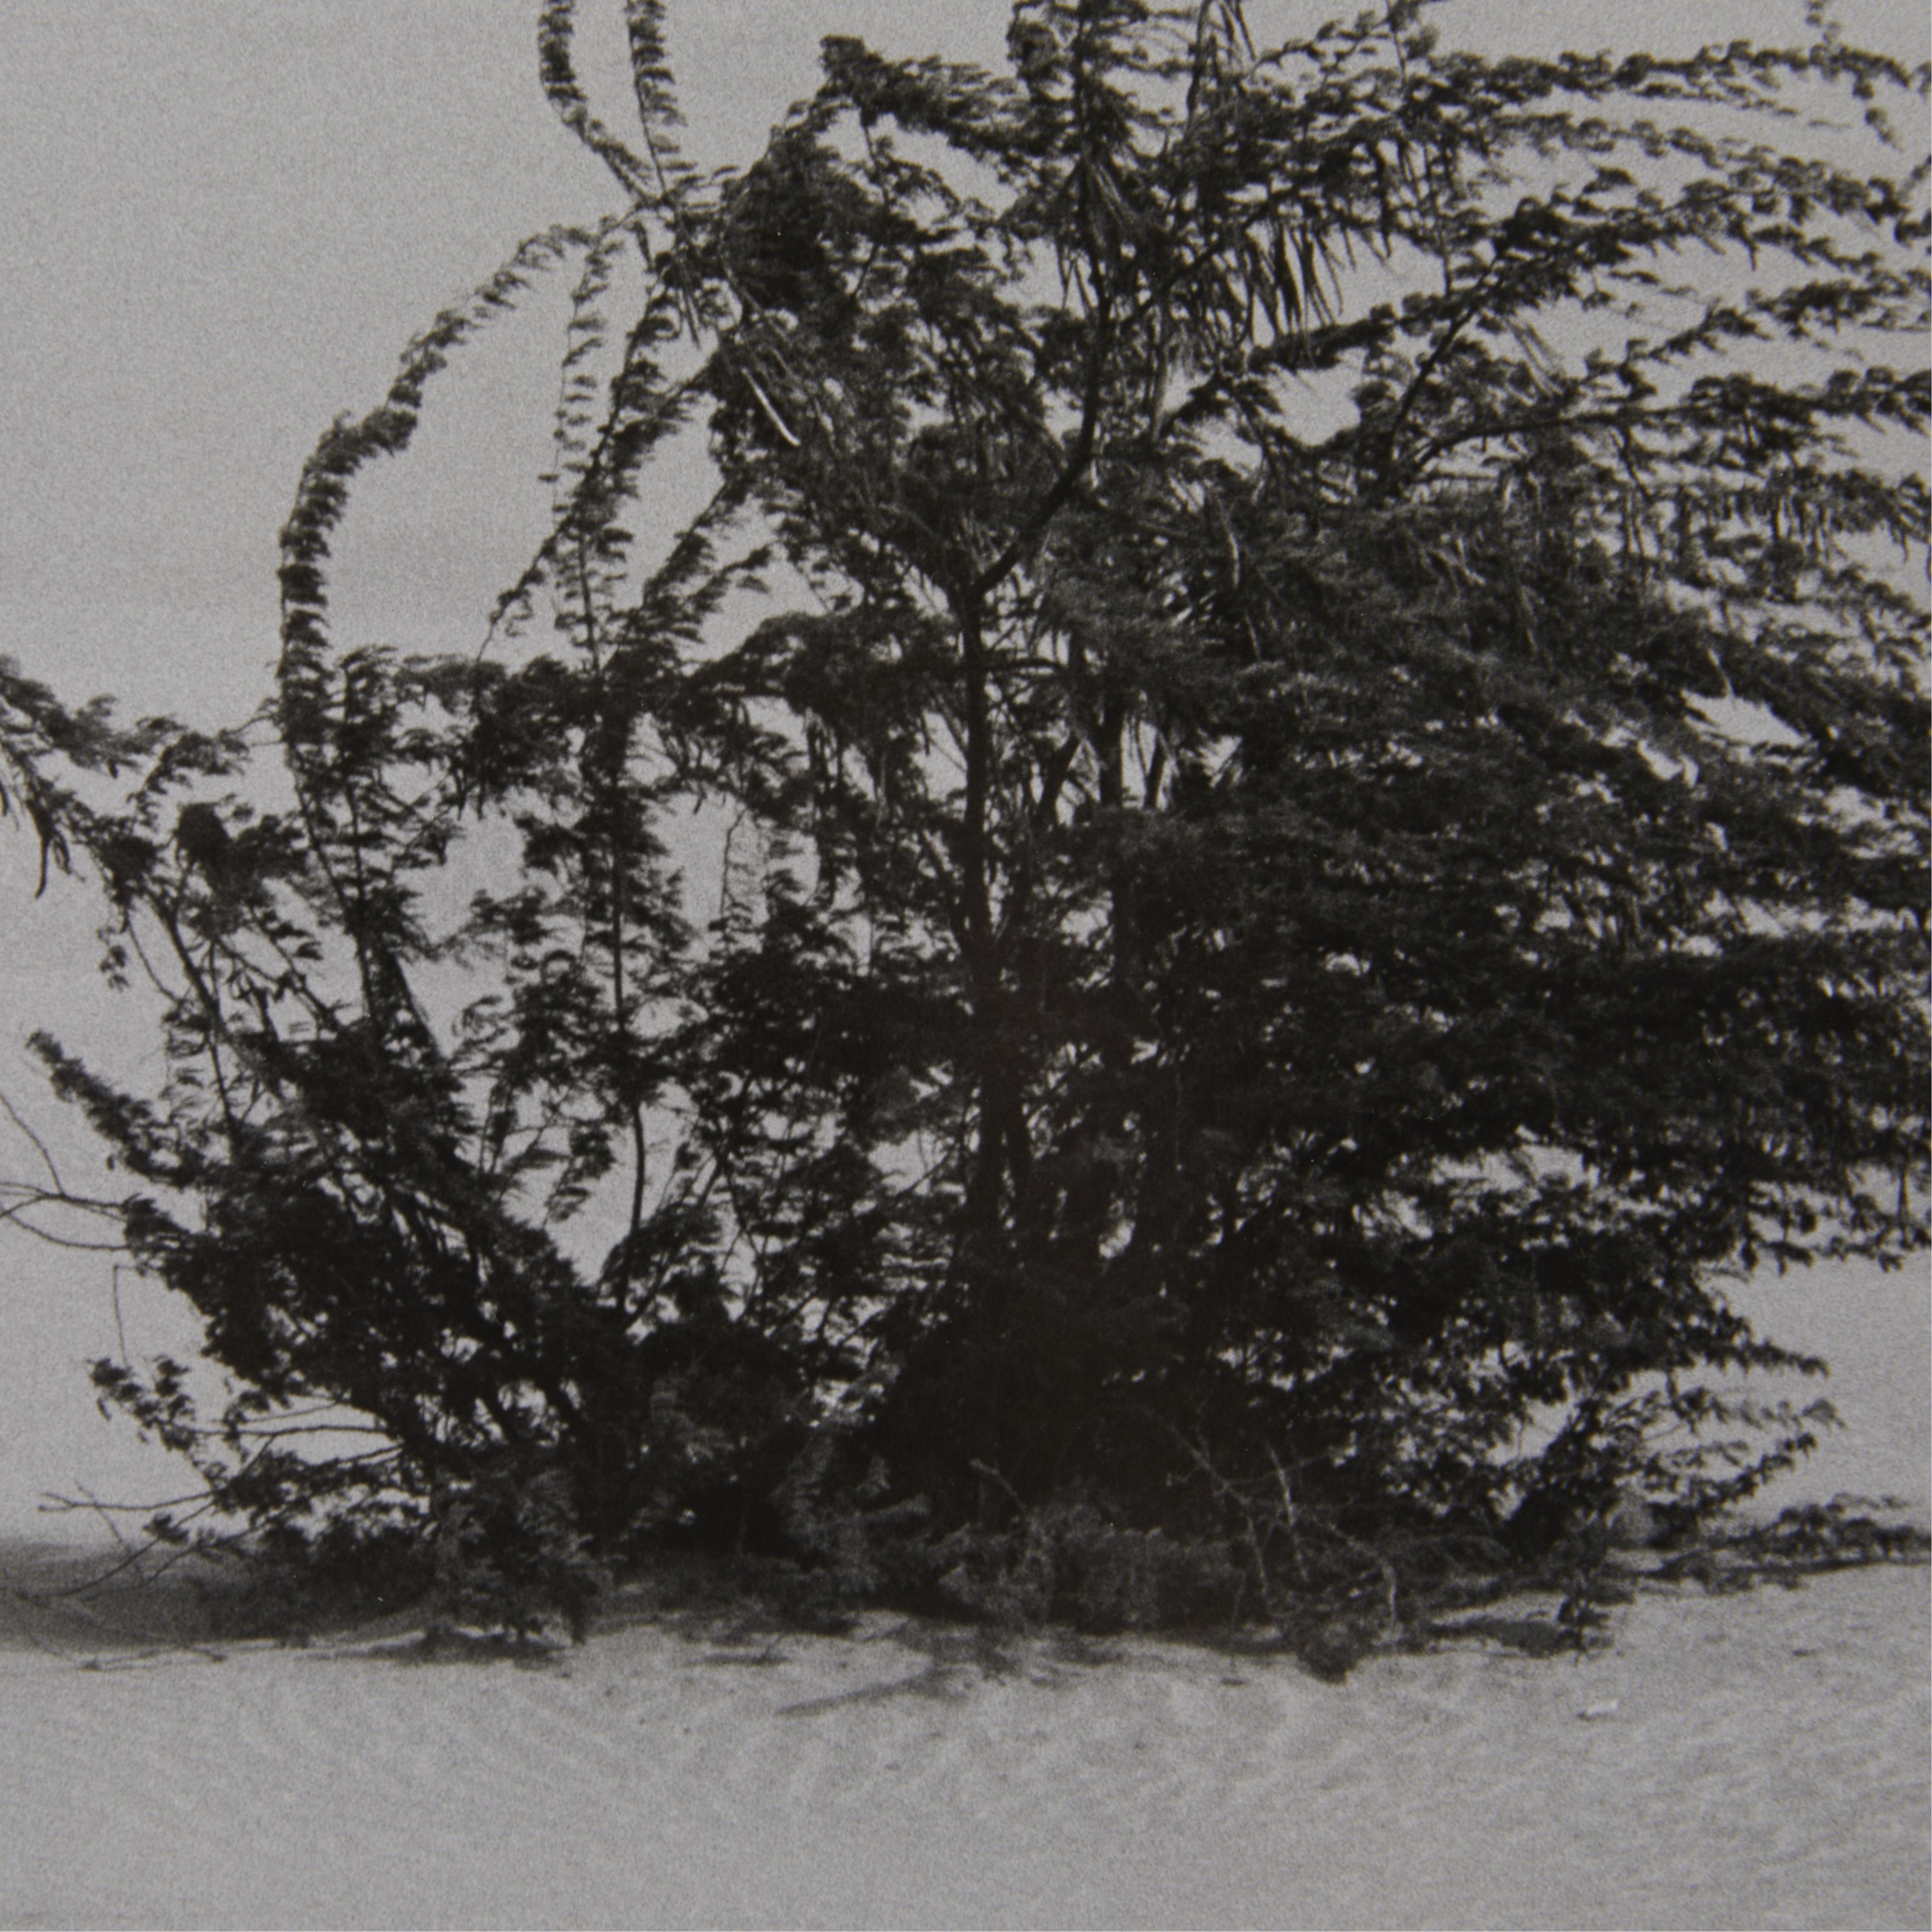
x=1212, y=786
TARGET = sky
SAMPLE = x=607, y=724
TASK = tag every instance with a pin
x=221, y=220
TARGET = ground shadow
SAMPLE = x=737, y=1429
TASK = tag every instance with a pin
x=73, y=1603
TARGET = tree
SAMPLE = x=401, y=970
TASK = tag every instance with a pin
x=1293, y=669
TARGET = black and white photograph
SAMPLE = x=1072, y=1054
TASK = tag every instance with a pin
x=965, y=963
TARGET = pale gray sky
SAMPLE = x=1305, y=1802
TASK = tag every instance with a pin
x=219, y=222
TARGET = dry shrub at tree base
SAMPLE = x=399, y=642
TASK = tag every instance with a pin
x=1315, y=737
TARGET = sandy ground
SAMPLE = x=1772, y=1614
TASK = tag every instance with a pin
x=1766, y=1763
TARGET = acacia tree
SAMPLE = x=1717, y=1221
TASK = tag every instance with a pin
x=1307, y=732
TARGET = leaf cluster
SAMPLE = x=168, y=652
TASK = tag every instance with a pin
x=1273, y=810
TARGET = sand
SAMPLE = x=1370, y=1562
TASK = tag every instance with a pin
x=1759, y=1760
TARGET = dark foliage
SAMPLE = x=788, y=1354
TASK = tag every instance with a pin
x=1275, y=810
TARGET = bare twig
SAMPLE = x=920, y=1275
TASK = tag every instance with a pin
x=992, y=1475
x=40, y=1147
